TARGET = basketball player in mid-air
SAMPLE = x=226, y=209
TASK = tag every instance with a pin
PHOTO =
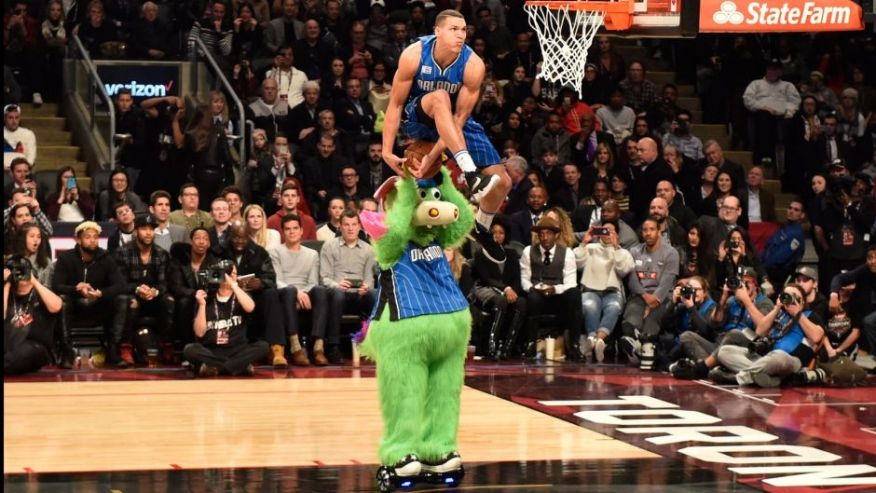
x=435, y=89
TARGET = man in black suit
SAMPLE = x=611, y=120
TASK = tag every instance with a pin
x=715, y=156
x=516, y=167
x=680, y=212
x=583, y=144
x=499, y=290
x=714, y=230
x=321, y=173
x=651, y=170
x=356, y=117
x=571, y=191
x=301, y=120
x=589, y=211
x=374, y=170
x=523, y=221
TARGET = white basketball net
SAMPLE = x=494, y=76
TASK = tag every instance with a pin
x=565, y=36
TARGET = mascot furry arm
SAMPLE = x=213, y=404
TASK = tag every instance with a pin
x=420, y=328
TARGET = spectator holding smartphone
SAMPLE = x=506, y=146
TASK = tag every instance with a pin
x=69, y=203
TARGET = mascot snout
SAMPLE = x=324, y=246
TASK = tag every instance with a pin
x=431, y=213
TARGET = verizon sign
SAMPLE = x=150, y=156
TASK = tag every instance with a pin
x=780, y=16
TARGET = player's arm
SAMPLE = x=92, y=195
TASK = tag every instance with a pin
x=408, y=64
x=468, y=97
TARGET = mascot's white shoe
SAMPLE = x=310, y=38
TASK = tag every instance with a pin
x=407, y=467
x=450, y=462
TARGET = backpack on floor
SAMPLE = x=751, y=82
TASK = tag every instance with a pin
x=841, y=371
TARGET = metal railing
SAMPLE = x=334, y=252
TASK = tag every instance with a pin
x=241, y=126
x=95, y=82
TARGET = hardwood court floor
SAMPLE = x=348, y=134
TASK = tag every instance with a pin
x=57, y=427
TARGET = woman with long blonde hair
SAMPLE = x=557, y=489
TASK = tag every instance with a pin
x=567, y=231
x=257, y=227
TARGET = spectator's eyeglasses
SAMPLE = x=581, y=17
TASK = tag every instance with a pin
x=10, y=108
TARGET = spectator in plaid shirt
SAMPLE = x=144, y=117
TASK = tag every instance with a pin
x=145, y=265
x=640, y=92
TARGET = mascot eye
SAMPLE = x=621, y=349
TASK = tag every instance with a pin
x=436, y=194
x=422, y=194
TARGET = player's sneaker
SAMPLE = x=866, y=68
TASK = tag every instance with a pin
x=480, y=185
x=632, y=348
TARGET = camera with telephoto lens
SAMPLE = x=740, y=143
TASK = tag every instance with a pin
x=688, y=292
x=787, y=298
x=734, y=282
x=733, y=244
x=210, y=278
x=761, y=345
x=20, y=267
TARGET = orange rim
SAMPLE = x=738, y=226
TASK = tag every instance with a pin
x=618, y=15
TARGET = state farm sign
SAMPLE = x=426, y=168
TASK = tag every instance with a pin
x=779, y=16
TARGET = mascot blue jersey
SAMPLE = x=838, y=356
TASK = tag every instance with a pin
x=430, y=77
x=420, y=283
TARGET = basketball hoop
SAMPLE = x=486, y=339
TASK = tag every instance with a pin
x=565, y=31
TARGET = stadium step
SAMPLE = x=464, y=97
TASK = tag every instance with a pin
x=51, y=136
x=37, y=123
x=46, y=109
x=687, y=91
x=660, y=79
x=709, y=131
x=690, y=104
x=742, y=158
x=64, y=154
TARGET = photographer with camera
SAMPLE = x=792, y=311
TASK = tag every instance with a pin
x=861, y=306
x=792, y=336
x=187, y=274
x=739, y=311
x=681, y=137
x=735, y=253
x=91, y=285
x=691, y=315
x=144, y=265
x=220, y=329
x=28, y=319
x=604, y=264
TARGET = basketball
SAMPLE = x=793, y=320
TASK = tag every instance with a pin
x=417, y=150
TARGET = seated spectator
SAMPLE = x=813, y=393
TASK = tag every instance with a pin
x=639, y=92
x=572, y=111
x=567, y=236
x=714, y=230
x=671, y=232
x=297, y=269
x=348, y=188
x=247, y=40
x=739, y=312
x=685, y=171
x=29, y=310
x=803, y=156
x=221, y=215
x=18, y=142
x=611, y=213
x=31, y=243
x=332, y=228
x=758, y=204
x=605, y=264
x=257, y=227
x=786, y=247
x=269, y=112
x=601, y=166
x=616, y=118
x=166, y=234
x=681, y=137
x=190, y=216
x=290, y=81
x=860, y=307
x=651, y=171
x=123, y=216
x=222, y=345
x=234, y=197
x=24, y=209
x=378, y=87
x=806, y=277
x=522, y=222
x=619, y=192
x=516, y=168
x=215, y=30
x=89, y=281
x=321, y=173
x=695, y=260
x=513, y=129
x=571, y=190
x=313, y=52
x=19, y=176
x=699, y=200
x=188, y=265
x=271, y=169
x=589, y=209
x=244, y=81
x=650, y=285
x=69, y=203
x=118, y=191
x=770, y=102
x=499, y=290
x=347, y=266
x=715, y=157
x=355, y=116
x=682, y=214
x=551, y=137
x=254, y=262
x=310, y=145
x=792, y=336
x=332, y=84
x=302, y=119
x=96, y=31
x=154, y=36
x=290, y=198
x=547, y=273
x=840, y=336
x=284, y=28
x=663, y=111
x=144, y=267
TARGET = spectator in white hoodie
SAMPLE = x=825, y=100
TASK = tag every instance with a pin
x=17, y=140
x=772, y=102
x=604, y=264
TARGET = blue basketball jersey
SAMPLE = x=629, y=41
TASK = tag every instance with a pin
x=431, y=77
x=420, y=283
